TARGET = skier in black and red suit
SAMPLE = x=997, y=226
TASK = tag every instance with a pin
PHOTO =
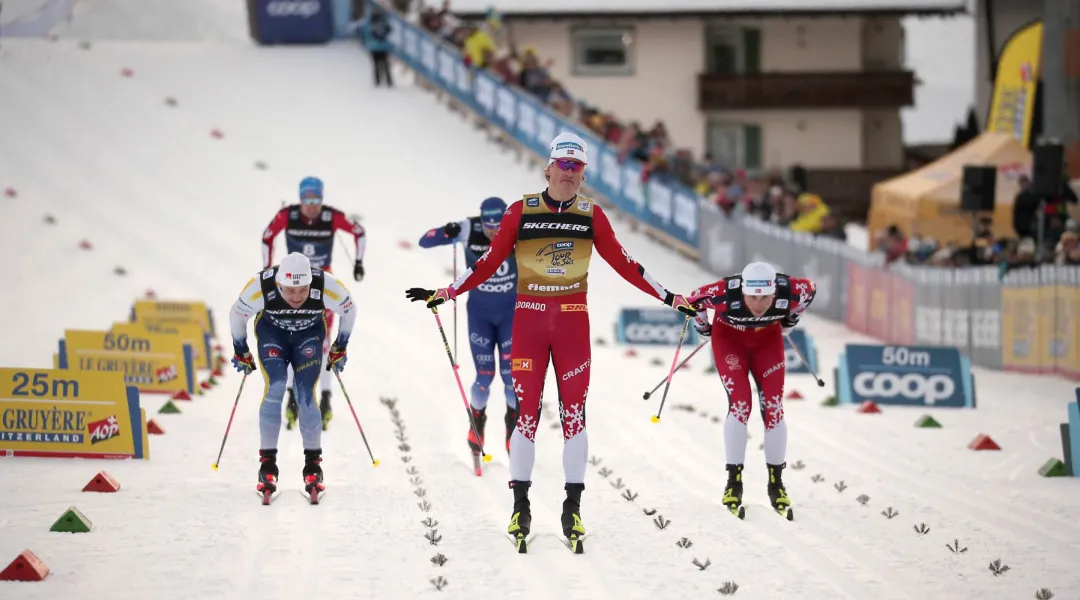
x=753, y=311
x=309, y=229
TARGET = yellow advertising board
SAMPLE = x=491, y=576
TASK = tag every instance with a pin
x=1013, y=104
x=1021, y=347
x=189, y=333
x=158, y=312
x=1066, y=335
x=70, y=414
x=154, y=363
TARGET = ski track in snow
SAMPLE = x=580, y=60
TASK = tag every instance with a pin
x=182, y=212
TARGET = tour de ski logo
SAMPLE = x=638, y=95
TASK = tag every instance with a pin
x=102, y=430
x=559, y=253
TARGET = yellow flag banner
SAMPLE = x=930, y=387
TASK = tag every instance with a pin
x=1013, y=104
x=70, y=414
x=154, y=363
x=161, y=312
x=191, y=334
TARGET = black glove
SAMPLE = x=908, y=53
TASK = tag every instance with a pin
x=452, y=230
x=788, y=324
x=358, y=271
x=432, y=297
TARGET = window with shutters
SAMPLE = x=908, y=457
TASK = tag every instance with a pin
x=603, y=50
x=736, y=145
x=732, y=50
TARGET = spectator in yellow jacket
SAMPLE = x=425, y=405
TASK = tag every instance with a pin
x=812, y=211
x=475, y=46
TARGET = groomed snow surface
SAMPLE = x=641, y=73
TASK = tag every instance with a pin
x=149, y=186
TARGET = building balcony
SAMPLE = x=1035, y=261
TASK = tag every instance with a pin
x=888, y=89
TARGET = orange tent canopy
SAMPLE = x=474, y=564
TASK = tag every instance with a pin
x=926, y=202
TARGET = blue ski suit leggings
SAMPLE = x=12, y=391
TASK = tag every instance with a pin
x=279, y=349
x=489, y=328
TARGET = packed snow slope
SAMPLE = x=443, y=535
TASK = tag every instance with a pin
x=183, y=212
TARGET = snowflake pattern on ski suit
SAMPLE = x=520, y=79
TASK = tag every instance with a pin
x=526, y=424
x=573, y=420
x=774, y=412
x=757, y=356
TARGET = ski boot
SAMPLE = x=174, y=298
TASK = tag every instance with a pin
x=268, y=475
x=479, y=417
x=324, y=408
x=733, y=491
x=313, y=475
x=778, y=494
x=476, y=444
x=571, y=518
x=291, y=410
x=511, y=424
x=521, y=520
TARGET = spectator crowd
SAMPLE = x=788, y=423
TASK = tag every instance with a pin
x=1061, y=235
x=769, y=196
x=486, y=46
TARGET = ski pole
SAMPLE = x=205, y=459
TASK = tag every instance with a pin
x=455, y=308
x=647, y=395
x=461, y=388
x=674, y=361
x=799, y=353
x=229, y=426
x=374, y=461
x=345, y=249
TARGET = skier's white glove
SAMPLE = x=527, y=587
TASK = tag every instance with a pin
x=702, y=325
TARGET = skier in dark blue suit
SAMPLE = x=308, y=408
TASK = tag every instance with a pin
x=490, y=311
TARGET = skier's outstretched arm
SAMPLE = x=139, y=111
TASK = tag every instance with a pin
x=498, y=251
x=452, y=232
x=501, y=246
x=615, y=254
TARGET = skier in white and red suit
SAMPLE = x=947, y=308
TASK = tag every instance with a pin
x=753, y=311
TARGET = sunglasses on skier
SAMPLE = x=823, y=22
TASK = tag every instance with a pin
x=310, y=198
x=566, y=164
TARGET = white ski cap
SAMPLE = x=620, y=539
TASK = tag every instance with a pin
x=758, y=279
x=294, y=271
x=568, y=145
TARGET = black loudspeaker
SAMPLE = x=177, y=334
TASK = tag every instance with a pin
x=1048, y=160
x=979, y=188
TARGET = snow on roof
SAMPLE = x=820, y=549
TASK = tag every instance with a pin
x=593, y=7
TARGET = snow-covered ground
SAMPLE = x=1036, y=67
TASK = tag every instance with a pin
x=183, y=212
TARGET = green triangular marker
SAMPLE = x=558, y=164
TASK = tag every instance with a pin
x=72, y=521
x=169, y=408
x=927, y=421
x=710, y=369
x=1053, y=468
x=831, y=401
